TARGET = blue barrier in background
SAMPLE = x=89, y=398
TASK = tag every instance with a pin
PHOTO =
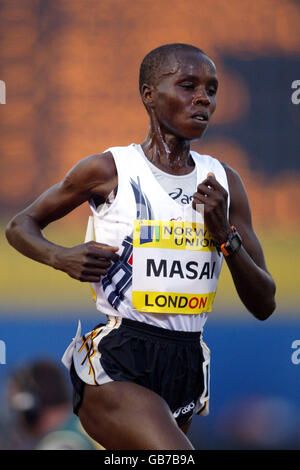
x=248, y=358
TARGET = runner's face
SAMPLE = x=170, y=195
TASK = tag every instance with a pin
x=185, y=98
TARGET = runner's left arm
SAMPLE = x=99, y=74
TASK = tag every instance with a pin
x=254, y=284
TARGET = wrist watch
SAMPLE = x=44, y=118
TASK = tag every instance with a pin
x=232, y=244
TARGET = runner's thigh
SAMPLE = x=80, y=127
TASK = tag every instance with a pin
x=124, y=415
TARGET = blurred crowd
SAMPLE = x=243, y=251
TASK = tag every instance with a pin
x=252, y=423
x=36, y=413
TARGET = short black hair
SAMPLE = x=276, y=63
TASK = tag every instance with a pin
x=157, y=60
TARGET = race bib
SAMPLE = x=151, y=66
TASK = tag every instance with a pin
x=175, y=267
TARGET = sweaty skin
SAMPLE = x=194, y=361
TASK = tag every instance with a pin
x=124, y=415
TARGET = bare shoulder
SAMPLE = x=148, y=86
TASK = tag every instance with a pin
x=240, y=211
x=238, y=193
x=94, y=174
x=234, y=179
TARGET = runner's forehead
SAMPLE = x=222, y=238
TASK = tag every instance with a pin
x=195, y=64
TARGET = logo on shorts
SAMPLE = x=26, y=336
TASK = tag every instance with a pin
x=184, y=409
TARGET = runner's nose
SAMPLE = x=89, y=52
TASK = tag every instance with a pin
x=201, y=98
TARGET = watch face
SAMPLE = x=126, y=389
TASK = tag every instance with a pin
x=235, y=243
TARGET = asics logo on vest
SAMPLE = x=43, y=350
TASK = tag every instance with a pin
x=184, y=409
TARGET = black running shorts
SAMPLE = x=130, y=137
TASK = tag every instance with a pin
x=174, y=364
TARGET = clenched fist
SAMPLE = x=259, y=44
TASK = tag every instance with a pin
x=214, y=197
x=86, y=262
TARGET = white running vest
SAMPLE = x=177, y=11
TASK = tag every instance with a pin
x=168, y=269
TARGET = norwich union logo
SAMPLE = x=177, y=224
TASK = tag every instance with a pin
x=172, y=234
x=149, y=233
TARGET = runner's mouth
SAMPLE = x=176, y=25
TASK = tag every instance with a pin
x=201, y=117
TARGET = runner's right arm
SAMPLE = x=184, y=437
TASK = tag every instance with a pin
x=92, y=176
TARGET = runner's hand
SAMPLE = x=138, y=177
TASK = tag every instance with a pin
x=86, y=262
x=214, y=197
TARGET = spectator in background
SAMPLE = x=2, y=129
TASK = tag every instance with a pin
x=259, y=423
x=41, y=416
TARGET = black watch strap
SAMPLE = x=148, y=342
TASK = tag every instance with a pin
x=232, y=244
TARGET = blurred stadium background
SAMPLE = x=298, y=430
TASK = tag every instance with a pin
x=71, y=74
